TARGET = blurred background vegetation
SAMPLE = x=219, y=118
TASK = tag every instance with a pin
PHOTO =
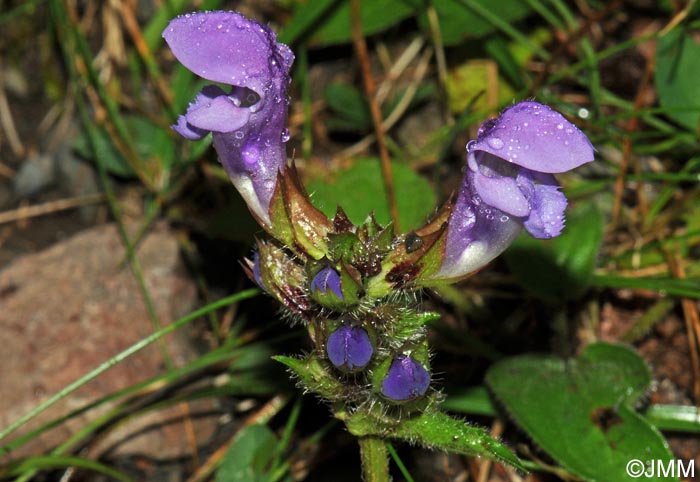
x=88, y=92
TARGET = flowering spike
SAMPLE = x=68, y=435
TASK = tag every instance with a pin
x=406, y=379
x=349, y=348
x=509, y=185
x=248, y=122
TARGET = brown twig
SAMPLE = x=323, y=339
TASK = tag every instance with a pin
x=440, y=60
x=630, y=128
x=26, y=212
x=132, y=26
x=692, y=323
x=363, y=57
x=8, y=124
x=6, y=171
x=399, y=109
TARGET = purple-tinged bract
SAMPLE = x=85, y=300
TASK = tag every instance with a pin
x=406, y=379
x=349, y=348
x=508, y=185
x=327, y=278
x=249, y=121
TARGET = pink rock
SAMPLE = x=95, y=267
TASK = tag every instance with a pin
x=65, y=310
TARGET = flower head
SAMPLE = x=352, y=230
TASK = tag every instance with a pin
x=509, y=185
x=406, y=379
x=249, y=121
x=349, y=348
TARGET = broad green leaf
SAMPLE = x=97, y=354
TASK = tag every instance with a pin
x=360, y=190
x=154, y=146
x=101, y=147
x=580, y=411
x=334, y=25
x=676, y=77
x=349, y=105
x=434, y=430
x=249, y=457
x=561, y=268
x=462, y=19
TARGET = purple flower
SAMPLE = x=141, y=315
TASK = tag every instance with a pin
x=509, y=185
x=249, y=121
x=327, y=278
x=406, y=379
x=349, y=348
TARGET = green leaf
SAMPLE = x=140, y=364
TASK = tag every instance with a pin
x=462, y=19
x=314, y=376
x=360, y=190
x=580, y=411
x=688, y=287
x=349, y=105
x=152, y=143
x=561, y=268
x=434, y=430
x=249, y=457
x=676, y=77
x=53, y=462
x=335, y=23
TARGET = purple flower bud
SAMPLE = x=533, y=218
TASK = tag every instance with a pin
x=509, y=185
x=327, y=278
x=349, y=347
x=406, y=379
x=248, y=122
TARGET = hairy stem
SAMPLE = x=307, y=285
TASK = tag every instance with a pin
x=375, y=460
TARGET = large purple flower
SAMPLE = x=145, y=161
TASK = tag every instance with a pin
x=249, y=121
x=509, y=184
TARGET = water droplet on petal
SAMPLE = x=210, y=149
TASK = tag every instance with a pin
x=495, y=142
x=238, y=134
x=504, y=218
x=560, y=126
x=285, y=135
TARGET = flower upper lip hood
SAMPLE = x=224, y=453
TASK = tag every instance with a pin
x=249, y=122
x=227, y=47
x=534, y=136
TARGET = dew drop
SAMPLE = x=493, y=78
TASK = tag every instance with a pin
x=504, y=218
x=238, y=135
x=560, y=126
x=285, y=135
x=495, y=142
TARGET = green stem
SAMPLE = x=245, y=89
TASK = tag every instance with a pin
x=375, y=460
